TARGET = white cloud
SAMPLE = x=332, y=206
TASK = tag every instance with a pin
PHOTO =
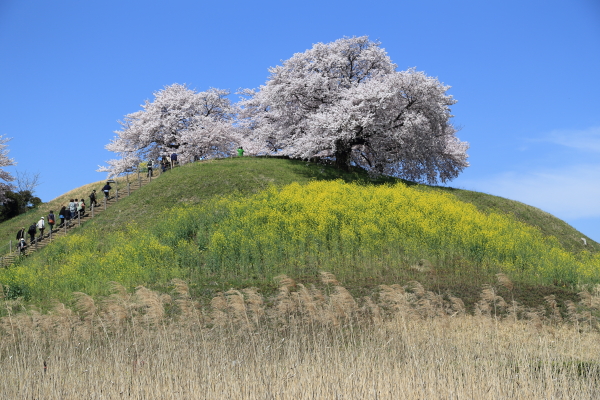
x=571, y=192
x=587, y=140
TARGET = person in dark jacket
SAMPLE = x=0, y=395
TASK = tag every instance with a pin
x=51, y=220
x=32, y=231
x=21, y=234
x=106, y=189
x=61, y=214
x=149, y=166
x=93, y=199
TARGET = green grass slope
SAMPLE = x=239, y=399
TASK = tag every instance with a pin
x=138, y=216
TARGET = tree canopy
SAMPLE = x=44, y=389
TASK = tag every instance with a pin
x=342, y=101
x=5, y=177
x=345, y=101
x=189, y=123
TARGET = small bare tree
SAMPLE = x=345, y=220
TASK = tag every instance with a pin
x=26, y=181
x=20, y=198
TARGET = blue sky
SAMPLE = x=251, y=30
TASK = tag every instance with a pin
x=525, y=74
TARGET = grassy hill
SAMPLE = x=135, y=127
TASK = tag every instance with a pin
x=148, y=239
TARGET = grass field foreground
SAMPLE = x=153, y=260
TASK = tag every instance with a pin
x=306, y=343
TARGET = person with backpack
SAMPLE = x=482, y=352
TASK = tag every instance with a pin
x=106, y=189
x=41, y=225
x=32, y=231
x=51, y=220
x=93, y=199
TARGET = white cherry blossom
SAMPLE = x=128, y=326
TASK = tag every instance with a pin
x=5, y=161
x=345, y=101
x=192, y=124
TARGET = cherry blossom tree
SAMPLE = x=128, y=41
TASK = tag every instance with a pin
x=346, y=102
x=5, y=176
x=189, y=123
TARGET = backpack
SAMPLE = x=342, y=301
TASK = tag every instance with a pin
x=32, y=229
x=51, y=219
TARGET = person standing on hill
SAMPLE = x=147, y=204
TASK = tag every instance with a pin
x=61, y=214
x=106, y=189
x=72, y=209
x=81, y=208
x=41, y=225
x=93, y=199
x=149, y=166
x=32, y=231
x=68, y=216
x=240, y=151
x=21, y=245
x=173, y=159
x=51, y=220
x=21, y=234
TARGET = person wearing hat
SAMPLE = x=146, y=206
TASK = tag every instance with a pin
x=41, y=225
x=21, y=245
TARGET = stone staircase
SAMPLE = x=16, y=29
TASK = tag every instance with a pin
x=58, y=232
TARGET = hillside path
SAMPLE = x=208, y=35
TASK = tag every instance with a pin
x=8, y=259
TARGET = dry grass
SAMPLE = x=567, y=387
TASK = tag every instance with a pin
x=304, y=343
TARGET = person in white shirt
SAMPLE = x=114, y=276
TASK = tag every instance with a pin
x=41, y=225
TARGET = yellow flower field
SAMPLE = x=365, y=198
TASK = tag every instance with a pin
x=352, y=230
x=348, y=228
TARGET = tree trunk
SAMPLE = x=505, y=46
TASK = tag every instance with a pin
x=342, y=156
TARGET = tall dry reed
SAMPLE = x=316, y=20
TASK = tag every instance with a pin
x=304, y=343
